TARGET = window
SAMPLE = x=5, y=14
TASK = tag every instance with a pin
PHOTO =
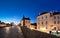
x=46, y=22
x=26, y=22
x=54, y=28
x=51, y=25
x=46, y=16
x=38, y=19
x=54, y=22
x=42, y=17
x=42, y=23
x=46, y=28
x=58, y=22
x=58, y=17
x=54, y=17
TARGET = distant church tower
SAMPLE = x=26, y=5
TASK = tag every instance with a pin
x=25, y=22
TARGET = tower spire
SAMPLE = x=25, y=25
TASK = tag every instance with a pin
x=23, y=17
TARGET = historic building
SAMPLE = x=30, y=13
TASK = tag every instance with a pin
x=47, y=21
x=33, y=26
x=25, y=22
x=2, y=24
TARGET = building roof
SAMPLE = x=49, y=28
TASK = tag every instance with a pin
x=55, y=13
x=2, y=23
x=24, y=18
x=34, y=24
x=43, y=13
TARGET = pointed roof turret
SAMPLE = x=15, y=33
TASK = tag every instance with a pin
x=25, y=18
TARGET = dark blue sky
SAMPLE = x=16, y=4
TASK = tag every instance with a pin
x=13, y=10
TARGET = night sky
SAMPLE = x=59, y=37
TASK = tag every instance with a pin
x=13, y=10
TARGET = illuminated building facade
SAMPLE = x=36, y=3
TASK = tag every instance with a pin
x=33, y=26
x=25, y=22
x=47, y=21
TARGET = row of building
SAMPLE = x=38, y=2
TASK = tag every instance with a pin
x=45, y=22
x=2, y=24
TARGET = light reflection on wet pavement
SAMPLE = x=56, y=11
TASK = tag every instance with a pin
x=11, y=32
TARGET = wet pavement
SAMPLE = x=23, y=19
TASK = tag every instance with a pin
x=16, y=32
x=11, y=32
